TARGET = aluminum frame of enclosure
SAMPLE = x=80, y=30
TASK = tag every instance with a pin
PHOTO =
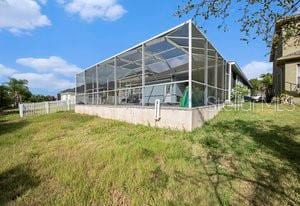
x=179, y=67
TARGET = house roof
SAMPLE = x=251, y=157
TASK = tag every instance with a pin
x=71, y=90
x=236, y=68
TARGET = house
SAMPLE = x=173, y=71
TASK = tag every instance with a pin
x=179, y=68
x=67, y=95
x=286, y=61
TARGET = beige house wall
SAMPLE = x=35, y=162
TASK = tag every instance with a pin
x=290, y=76
x=291, y=46
x=285, y=74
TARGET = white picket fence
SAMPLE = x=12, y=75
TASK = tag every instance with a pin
x=30, y=109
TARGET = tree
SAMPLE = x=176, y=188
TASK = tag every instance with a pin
x=41, y=98
x=264, y=84
x=256, y=86
x=239, y=92
x=5, y=100
x=18, y=90
x=257, y=18
x=267, y=85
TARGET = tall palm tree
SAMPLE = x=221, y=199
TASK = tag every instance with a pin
x=18, y=89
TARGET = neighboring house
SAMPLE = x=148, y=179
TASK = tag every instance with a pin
x=67, y=95
x=239, y=78
x=286, y=62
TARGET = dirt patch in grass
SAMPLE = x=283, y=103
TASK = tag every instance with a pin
x=118, y=198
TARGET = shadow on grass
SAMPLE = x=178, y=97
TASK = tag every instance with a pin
x=15, y=182
x=11, y=126
x=265, y=157
x=278, y=140
x=9, y=112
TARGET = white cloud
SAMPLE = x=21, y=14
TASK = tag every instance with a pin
x=48, y=75
x=22, y=16
x=6, y=71
x=255, y=68
x=88, y=10
x=44, y=81
x=53, y=64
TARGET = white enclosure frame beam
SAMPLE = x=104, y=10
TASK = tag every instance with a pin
x=84, y=88
x=176, y=45
x=216, y=76
x=93, y=101
x=223, y=79
x=76, y=89
x=97, y=82
x=143, y=74
x=115, y=79
x=190, y=64
x=206, y=72
x=229, y=80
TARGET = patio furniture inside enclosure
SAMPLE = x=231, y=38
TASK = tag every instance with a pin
x=180, y=67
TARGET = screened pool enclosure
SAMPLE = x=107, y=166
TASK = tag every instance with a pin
x=180, y=67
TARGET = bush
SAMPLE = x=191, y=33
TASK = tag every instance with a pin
x=239, y=92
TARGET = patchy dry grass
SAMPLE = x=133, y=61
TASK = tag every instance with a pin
x=239, y=158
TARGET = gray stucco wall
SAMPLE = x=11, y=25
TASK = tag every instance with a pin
x=172, y=118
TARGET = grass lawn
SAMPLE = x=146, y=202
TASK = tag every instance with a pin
x=239, y=158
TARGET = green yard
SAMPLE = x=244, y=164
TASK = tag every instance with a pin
x=239, y=158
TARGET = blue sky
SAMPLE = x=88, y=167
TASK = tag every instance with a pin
x=47, y=41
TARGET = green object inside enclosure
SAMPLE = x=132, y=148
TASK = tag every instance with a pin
x=184, y=101
x=197, y=98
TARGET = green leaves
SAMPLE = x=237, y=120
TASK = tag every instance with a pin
x=256, y=18
x=18, y=90
x=239, y=92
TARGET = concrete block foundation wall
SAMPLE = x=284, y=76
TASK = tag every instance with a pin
x=172, y=118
